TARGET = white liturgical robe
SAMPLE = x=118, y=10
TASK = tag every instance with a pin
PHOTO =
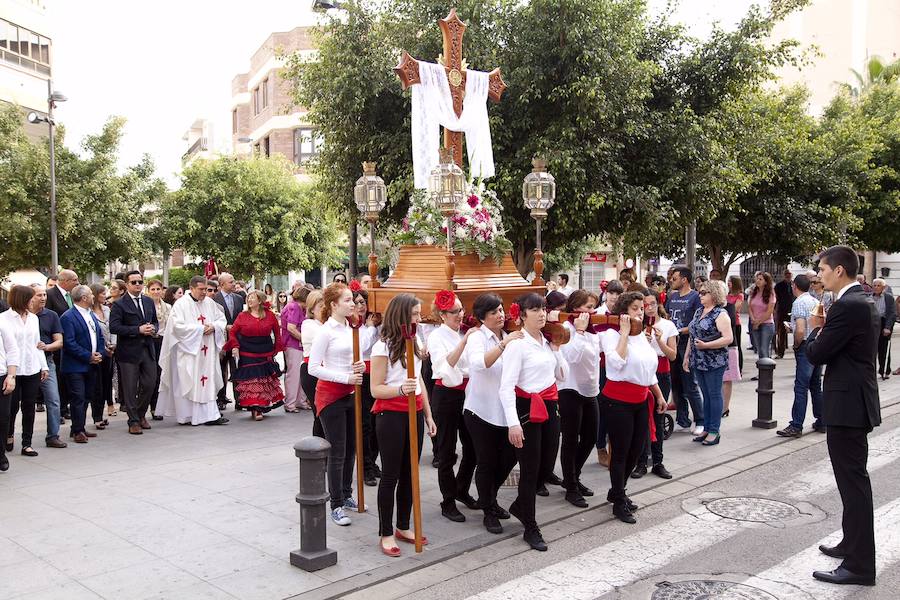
x=191, y=376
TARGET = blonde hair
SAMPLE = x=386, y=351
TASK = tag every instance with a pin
x=717, y=290
x=314, y=298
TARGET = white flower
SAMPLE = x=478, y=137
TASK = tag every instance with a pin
x=460, y=232
x=429, y=240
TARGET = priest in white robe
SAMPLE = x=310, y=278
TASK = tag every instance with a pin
x=189, y=359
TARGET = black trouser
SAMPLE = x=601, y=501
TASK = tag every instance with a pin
x=578, y=417
x=628, y=424
x=392, y=431
x=157, y=341
x=370, y=440
x=5, y=401
x=781, y=333
x=655, y=449
x=848, y=448
x=82, y=387
x=24, y=396
x=228, y=366
x=884, y=354
x=736, y=332
x=338, y=423
x=538, y=449
x=448, y=416
x=308, y=383
x=95, y=393
x=494, y=455
x=137, y=380
x=106, y=376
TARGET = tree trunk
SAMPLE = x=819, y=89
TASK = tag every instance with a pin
x=166, y=259
x=716, y=257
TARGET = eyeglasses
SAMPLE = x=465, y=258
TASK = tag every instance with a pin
x=137, y=282
x=703, y=292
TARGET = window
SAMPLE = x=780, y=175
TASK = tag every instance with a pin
x=307, y=143
x=264, y=88
x=4, y=35
x=255, y=95
x=21, y=46
x=265, y=147
x=234, y=122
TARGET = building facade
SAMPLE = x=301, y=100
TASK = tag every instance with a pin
x=200, y=142
x=25, y=59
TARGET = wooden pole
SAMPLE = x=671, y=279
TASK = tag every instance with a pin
x=360, y=480
x=414, y=438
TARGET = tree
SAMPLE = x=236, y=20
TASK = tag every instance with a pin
x=876, y=71
x=251, y=214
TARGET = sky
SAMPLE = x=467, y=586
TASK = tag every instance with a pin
x=163, y=64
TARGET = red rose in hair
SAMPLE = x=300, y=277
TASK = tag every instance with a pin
x=603, y=285
x=355, y=286
x=444, y=300
x=514, y=311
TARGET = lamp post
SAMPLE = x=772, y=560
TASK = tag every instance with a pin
x=538, y=194
x=447, y=188
x=52, y=99
x=370, y=196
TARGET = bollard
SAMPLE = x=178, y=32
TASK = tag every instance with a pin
x=765, y=389
x=313, y=554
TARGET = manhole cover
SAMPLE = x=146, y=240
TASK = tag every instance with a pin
x=512, y=480
x=703, y=589
x=757, y=510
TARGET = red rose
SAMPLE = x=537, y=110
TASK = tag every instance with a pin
x=444, y=300
x=473, y=200
x=514, y=311
x=355, y=286
x=603, y=285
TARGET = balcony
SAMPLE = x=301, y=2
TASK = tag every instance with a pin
x=201, y=145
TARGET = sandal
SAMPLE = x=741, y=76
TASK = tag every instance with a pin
x=29, y=451
x=291, y=410
x=111, y=410
x=100, y=425
x=258, y=417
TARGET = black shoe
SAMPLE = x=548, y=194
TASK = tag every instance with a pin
x=435, y=462
x=554, y=480
x=584, y=490
x=843, y=576
x=576, y=499
x=725, y=413
x=449, y=510
x=702, y=437
x=622, y=513
x=832, y=551
x=542, y=490
x=492, y=523
x=4, y=463
x=660, y=470
x=535, y=539
x=498, y=511
x=639, y=471
x=370, y=480
x=219, y=421
x=626, y=502
x=157, y=417
x=819, y=427
x=39, y=408
x=470, y=502
x=790, y=431
x=754, y=378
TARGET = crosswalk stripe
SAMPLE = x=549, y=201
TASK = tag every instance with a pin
x=621, y=562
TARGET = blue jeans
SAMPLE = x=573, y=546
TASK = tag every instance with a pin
x=50, y=392
x=685, y=390
x=710, y=383
x=762, y=339
x=808, y=379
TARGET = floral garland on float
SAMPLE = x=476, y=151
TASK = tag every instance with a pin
x=477, y=224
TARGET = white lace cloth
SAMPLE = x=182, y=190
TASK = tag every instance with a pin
x=432, y=107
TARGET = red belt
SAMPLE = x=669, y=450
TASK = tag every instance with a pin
x=537, y=411
x=395, y=404
x=328, y=392
x=632, y=393
x=368, y=366
x=461, y=386
x=664, y=365
x=306, y=359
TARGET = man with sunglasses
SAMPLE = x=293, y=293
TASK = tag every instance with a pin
x=133, y=319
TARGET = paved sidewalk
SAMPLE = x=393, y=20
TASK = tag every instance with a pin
x=209, y=512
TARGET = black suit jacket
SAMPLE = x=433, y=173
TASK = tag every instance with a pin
x=125, y=320
x=238, y=305
x=890, y=312
x=847, y=344
x=56, y=301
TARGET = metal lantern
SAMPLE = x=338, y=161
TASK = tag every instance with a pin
x=370, y=196
x=538, y=194
x=446, y=184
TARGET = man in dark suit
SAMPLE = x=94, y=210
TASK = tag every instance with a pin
x=59, y=300
x=82, y=352
x=887, y=311
x=232, y=304
x=784, y=299
x=133, y=319
x=846, y=341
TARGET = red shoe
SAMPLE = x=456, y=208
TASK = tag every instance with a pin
x=393, y=551
x=408, y=540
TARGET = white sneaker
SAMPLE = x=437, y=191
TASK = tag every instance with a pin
x=339, y=518
x=350, y=504
x=698, y=430
x=681, y=429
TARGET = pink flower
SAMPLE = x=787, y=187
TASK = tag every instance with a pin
x=473, y=200
x=406, y=224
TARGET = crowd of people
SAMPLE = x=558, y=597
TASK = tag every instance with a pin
x=491, y=389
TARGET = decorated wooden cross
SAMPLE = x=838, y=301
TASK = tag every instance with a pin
x=452, y=29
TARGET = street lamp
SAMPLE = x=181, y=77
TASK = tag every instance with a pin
x=370, y=196
x=52, y=99
x=538, y=194
x=447, y=188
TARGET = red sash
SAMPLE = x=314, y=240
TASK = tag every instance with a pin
x=664, y=365
x=368, y=366
x=537, y=412
x=461, y=386
x=328, y=392
x=306, y=359
x=632, y=393
x=395, y=404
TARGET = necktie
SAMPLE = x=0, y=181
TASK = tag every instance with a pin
x=68, y=299
x=140, y=305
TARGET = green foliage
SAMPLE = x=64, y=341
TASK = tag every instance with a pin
x=181, y=276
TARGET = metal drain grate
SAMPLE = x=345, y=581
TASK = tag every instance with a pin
x=756, y=510
x=707, y=589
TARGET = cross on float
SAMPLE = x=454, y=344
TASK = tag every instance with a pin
x=452, y=30
x=203, y=380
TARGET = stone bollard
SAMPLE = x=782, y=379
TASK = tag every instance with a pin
x=313, y=554
x=765, y=389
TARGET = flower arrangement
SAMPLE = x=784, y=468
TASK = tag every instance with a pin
x=477, y=224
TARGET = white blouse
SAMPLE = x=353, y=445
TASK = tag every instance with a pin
x=583, y=355
x=309, y=329
x=483, y=391
x=532, y=366
x=396, y=372
x=9, y=349
x=27, y=334
x=368, y=337
x=639, y=368
x=441, y=343
x=668, y=330
x=331, y=357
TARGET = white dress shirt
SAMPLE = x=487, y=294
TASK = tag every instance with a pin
x=396, y=372
x=441, y=343
x=368, y=337
x=639, y=367
x=139, y=304
x=845, y=289
x=92, y=327
x=9, y=349
x=483, y=391
x=309, y=329
x=27, y=334
x=532, y=366
x=331, y=357
x=583, y=355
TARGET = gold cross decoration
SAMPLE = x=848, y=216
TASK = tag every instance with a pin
x=452, y=29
